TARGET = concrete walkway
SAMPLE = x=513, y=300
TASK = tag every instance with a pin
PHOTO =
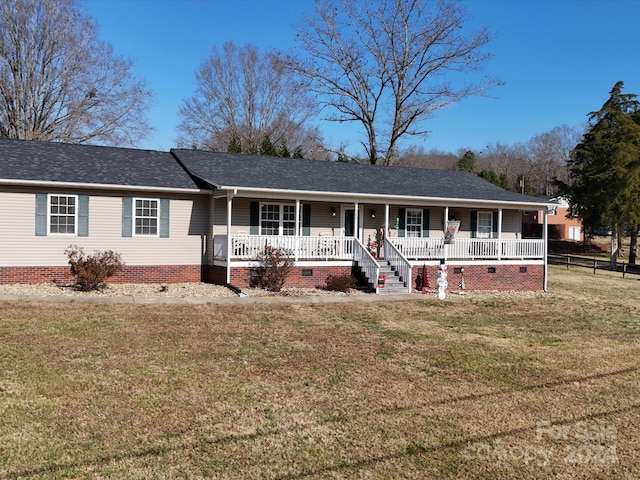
x=306, y=299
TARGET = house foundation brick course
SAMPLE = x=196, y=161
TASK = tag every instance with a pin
x=130, y=274
x=488, y=277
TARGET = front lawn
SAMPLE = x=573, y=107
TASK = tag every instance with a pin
x=495, y=386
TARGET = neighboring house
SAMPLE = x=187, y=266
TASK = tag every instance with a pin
x=560, y=225
x=188, y=215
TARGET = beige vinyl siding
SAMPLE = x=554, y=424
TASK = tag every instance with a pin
x=21, y=247
x=511, y=224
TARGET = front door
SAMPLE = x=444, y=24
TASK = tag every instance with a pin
x=348, y=222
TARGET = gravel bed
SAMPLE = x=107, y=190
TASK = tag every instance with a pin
x=176, y=290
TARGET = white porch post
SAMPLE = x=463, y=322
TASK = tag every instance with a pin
x=298, y=229
x=500, y=233
x=356, y=223
x=212, y=227
x=444, y=229
x=387, y=212
x=229, y=209
x=545, y=246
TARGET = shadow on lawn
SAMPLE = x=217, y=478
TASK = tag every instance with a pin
x=418, y=450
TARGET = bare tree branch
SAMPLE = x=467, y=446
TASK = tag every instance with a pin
x=389, y=64
x=245, y=96
x=59, y=82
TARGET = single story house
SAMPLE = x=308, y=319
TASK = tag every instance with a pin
x=189, y=215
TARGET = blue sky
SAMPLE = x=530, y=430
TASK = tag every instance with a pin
x=558, y=59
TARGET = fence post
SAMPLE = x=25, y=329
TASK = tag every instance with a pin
x=568, y=261
x=594, y=265
x=624, y=268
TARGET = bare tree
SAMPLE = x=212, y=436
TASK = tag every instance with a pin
x=388, y=64
x=59, y=82
x=244, y=96
x=549, y=154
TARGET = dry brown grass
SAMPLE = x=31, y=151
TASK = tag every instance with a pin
x=414, y=389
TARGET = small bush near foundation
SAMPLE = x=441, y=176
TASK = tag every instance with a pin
x=91, y=271
x=340, y=283
x=275, y=266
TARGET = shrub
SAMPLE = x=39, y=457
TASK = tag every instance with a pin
x=340, y=283
x=275, y=266
x=91, y=271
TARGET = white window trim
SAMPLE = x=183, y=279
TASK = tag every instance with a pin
x=281, y=219
x=489, y=213
x=406, y=222
x=134, y=217
x=75, y=215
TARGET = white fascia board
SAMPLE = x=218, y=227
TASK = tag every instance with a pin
x=101, y=186
x=257, y=192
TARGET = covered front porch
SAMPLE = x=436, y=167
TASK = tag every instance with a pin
x=326, y=247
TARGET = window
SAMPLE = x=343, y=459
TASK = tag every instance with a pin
x=146, y=217
x=63, y=214
x=485, y=224
x=414, y=223
x=276, y=219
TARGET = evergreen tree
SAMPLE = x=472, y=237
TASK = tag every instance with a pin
x=284, y=151
x=267, y=148
x=500, y=180
x=604, y=179
x=297, y=153
x=234, y=145
x=468, y=162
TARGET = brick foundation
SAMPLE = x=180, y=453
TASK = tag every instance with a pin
x=478, y=277
x=242, y=276
x=130, y=274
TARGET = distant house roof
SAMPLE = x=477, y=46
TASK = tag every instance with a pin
x=227, y=170
x=31, y=161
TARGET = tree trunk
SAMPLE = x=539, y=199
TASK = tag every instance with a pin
x=633, y=247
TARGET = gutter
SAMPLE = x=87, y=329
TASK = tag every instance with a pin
x=102, y=186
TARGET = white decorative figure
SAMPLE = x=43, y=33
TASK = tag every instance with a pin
x=462, y=285
x=441, y=282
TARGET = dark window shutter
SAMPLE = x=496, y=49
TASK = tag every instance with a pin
x=83, y=215
x=402, y=219
x=494, y=225
x=164, y=217
x=41, y=214
x=127, y=216
x=425, y=222
x=474, y=223
x=306, y=219
x=254, y=218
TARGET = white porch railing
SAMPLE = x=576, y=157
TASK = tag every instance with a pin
x=399, y=263
x=248, y=247
x=370, y=268
x=469, y=248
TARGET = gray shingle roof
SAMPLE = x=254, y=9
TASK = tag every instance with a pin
x=90, y=164
x=249, y=171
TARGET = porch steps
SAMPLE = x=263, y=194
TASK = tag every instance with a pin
x=394, y=284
